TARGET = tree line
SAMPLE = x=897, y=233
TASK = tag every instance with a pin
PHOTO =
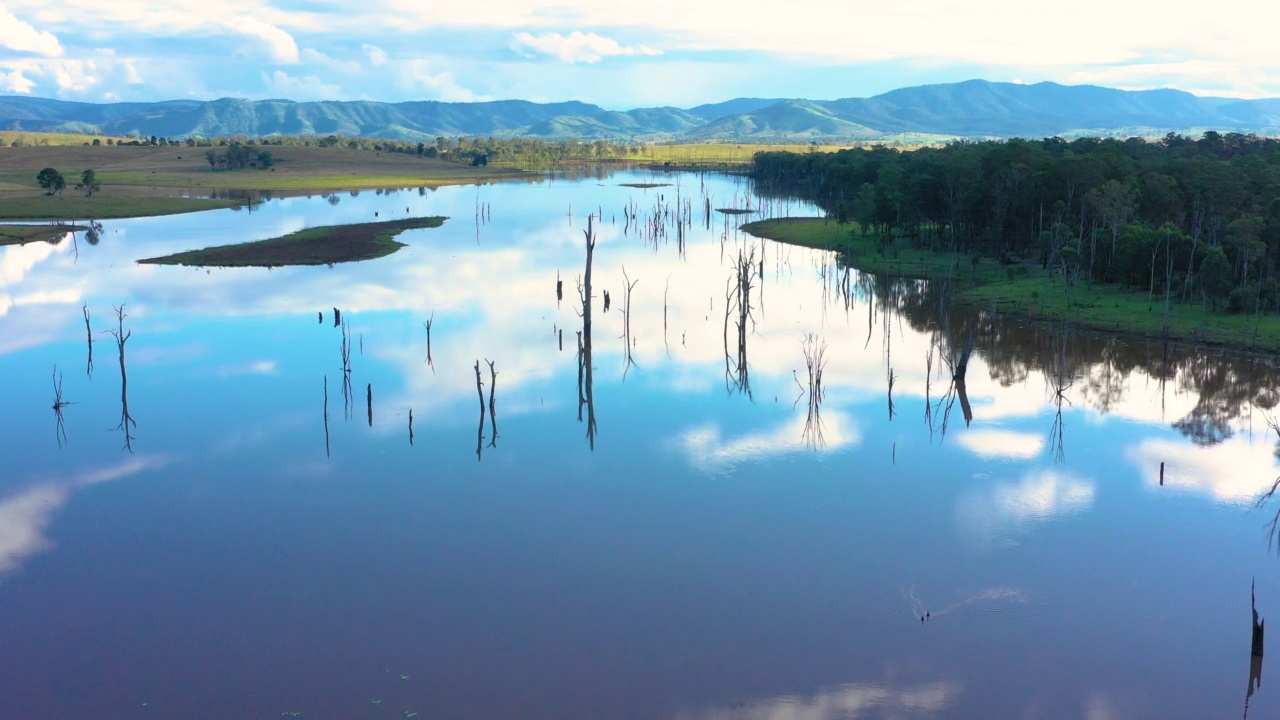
x=1198, y=218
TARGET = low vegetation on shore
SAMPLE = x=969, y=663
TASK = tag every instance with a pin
x=23, y=234
x=1025, y=288
x=327, y=245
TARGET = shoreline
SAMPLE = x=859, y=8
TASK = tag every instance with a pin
x=1026, y=290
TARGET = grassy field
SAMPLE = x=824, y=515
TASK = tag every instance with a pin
x=730, y=154
x=149, y=180
x=23, y=234
x=327, y=245
x=1026, y=289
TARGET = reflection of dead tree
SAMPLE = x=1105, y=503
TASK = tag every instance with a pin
x=431, y=320
x=892, y=379
x=337, y=317
x=585, y=384
x=928, y=388
x=493, y=410
x=480, y=429
x=326, y=416
x=1274, y=526
x=559, y=289
x=626, y=320
x=88, y=331
x=738, y=308
x=58, y=404
x=941, y=410
x=126, y=420
x=1255, y=648
x=345, y=349
x=369, y=401
x=410, y=426
x=815, y=360
x=1059, y=385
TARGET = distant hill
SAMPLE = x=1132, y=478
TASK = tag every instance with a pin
x=974, y=109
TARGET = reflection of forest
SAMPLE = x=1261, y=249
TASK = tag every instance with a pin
x=1227, y=384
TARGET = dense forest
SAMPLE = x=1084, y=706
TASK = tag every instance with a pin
x=1196, y=220
x=530, y=153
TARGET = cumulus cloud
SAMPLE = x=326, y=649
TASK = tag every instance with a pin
x=279, y=44
x=22, y=37
x=12, y=80
x=377, y=56
x=576, y=47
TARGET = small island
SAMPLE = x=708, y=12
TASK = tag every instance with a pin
x=327, y=245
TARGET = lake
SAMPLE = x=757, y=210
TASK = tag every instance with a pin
x=785, y=508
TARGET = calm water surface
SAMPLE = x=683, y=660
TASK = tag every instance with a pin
x=242, y=537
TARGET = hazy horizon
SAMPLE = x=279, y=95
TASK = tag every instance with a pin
x=619, y=56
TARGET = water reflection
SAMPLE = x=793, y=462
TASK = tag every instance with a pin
x=845, y=703
x=765, y=541
x=126, y=420
x=1255, y=649
x=58, y=405
x=586, y=382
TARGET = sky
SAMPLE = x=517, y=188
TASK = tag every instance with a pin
x=619, y=54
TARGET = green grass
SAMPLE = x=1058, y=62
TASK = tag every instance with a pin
x=23, y=234
x=146, y=180
x=102, y=206
x=327, y=245
x=1025, y=288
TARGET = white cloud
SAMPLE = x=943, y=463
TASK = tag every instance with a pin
x=14, y=81
x=280, y=45
x=709, y=450
x=1234, y=471
x=24, y=515
x=416, y=75
x=22, y=37
x=844, y=703
x=575, y=47
x=377, y=56
x=1001, y=444
x=282, y=85
x=1010, y=508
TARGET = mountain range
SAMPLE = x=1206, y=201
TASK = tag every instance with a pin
x=971, y=109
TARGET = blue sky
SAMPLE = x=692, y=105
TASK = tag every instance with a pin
x=620, y=54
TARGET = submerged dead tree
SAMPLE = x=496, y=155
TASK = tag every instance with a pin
x=326, y=416
x=628, y=285
x=88, y=329
x=815, y=361
x=738, y=312
x=480, y=429
x=430, y=321
x=60, y=428
x=585, y=383
x=493, y=410
x=345, y=350
x=126, y=420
